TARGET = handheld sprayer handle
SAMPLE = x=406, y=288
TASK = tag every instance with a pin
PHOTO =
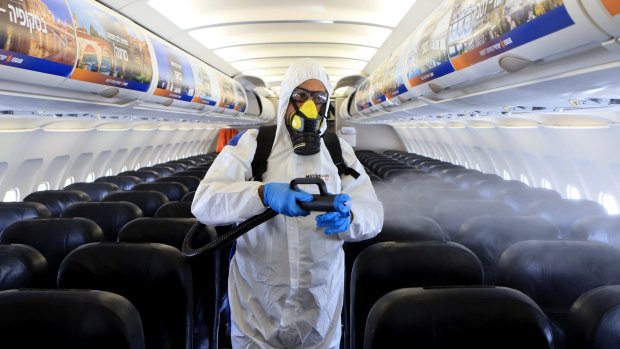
x=323, y=202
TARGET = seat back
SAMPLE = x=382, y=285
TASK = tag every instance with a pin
x=68, y=319
x=190, y=182
x=96, y=191
x=489, y=236
x=144, y=175
x=564, y=213
x=520, y=199
x=457, y=317
x=555, y=273
x=163, y=171
x=57, y=200
x=174, y=191
x=594, y=319
x=54, y=238
x=109, y=216
x=11, y=212
x=147, y=201
x=387, y=266
x=175, y=209
x=490, y=188
x=451, y=214
x=21, y=266
x=123, y=182
x=605, y=228
x=155, y=278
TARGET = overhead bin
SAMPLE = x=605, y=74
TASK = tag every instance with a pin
x=233, y=100
x=37, y=42
x=466, y=42
x=113, y=57
x=606, y=13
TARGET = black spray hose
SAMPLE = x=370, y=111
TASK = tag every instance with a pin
x=225, y=238
x=323, y=202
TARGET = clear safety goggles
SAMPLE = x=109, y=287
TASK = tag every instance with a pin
x=301, y=95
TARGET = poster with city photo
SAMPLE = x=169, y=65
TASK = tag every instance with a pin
x=207, y=88
x=37, y=35
x=227, y=92
x=394, y=78
x=362, y=99
x=176, y=78
x=481, y=29
x=241, y=100
x=111, y=50
x=427, y=56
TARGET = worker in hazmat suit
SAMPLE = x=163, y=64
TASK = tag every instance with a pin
x=286, y=277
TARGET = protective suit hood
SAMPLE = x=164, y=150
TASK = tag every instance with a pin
x=297, y=73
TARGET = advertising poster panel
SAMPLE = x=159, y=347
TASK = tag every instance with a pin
x=362, y=96
x=176, y=78
x=427, y=55
x=241, y=100
x=37, y=35
x=378, y=86
x=394, y=78
x=481, y=29
x=207, y=88
x=227, y=92
x=111, y=50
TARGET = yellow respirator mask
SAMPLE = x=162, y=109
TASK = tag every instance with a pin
x=305, y=127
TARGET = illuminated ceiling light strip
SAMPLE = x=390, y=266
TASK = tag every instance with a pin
x=295, y=43
x=296, y=57
x=300, y=21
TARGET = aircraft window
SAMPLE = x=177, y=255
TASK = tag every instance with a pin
x=90, y=177
x=69, y=180
x=11, y=195
x=478, y=167
x=136, y=167
x=43, y=186
x=109, y=172
x=148, y=163
x=506, y=175
x=524, y=179
x=466, y=164
x=124, y=168
x=545, y=184
x=572, y=192
x=609, y=202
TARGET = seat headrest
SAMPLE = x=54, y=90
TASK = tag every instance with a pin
x=174, y=191
x=489, y=188
x=489, y=236
x=564, y=212
x=555, y=273
x=605, y=228
x=96, y=191
x=69, y=319
x=21, y=266
x=109, y=216
x=163, y=171
x=451, y=214
x=145, y=175
x=593, y=319
x=57, y=200
x=189, y=197
x=11, y=212
x=169, y=231
x=53, y=237
x=147, y=201
x=175, y=209
x=190, y=182
x=521, y=198
x=123, y=182
x=457, y=317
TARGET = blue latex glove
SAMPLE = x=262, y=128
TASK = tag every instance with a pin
x=282, y=199
x=336, y=222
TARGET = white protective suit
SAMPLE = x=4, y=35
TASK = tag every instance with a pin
x=286, y=279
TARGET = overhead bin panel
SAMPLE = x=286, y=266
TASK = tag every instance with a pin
x=233, y=100
x=606, y=13
x=426, y=57
x=362, y=98
x=36, y=37
x=175, y=77
x=113, y=58
x=207, y=87
x=394, y=78
x=518, y=31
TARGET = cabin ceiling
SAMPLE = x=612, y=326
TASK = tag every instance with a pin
x=262, y=38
